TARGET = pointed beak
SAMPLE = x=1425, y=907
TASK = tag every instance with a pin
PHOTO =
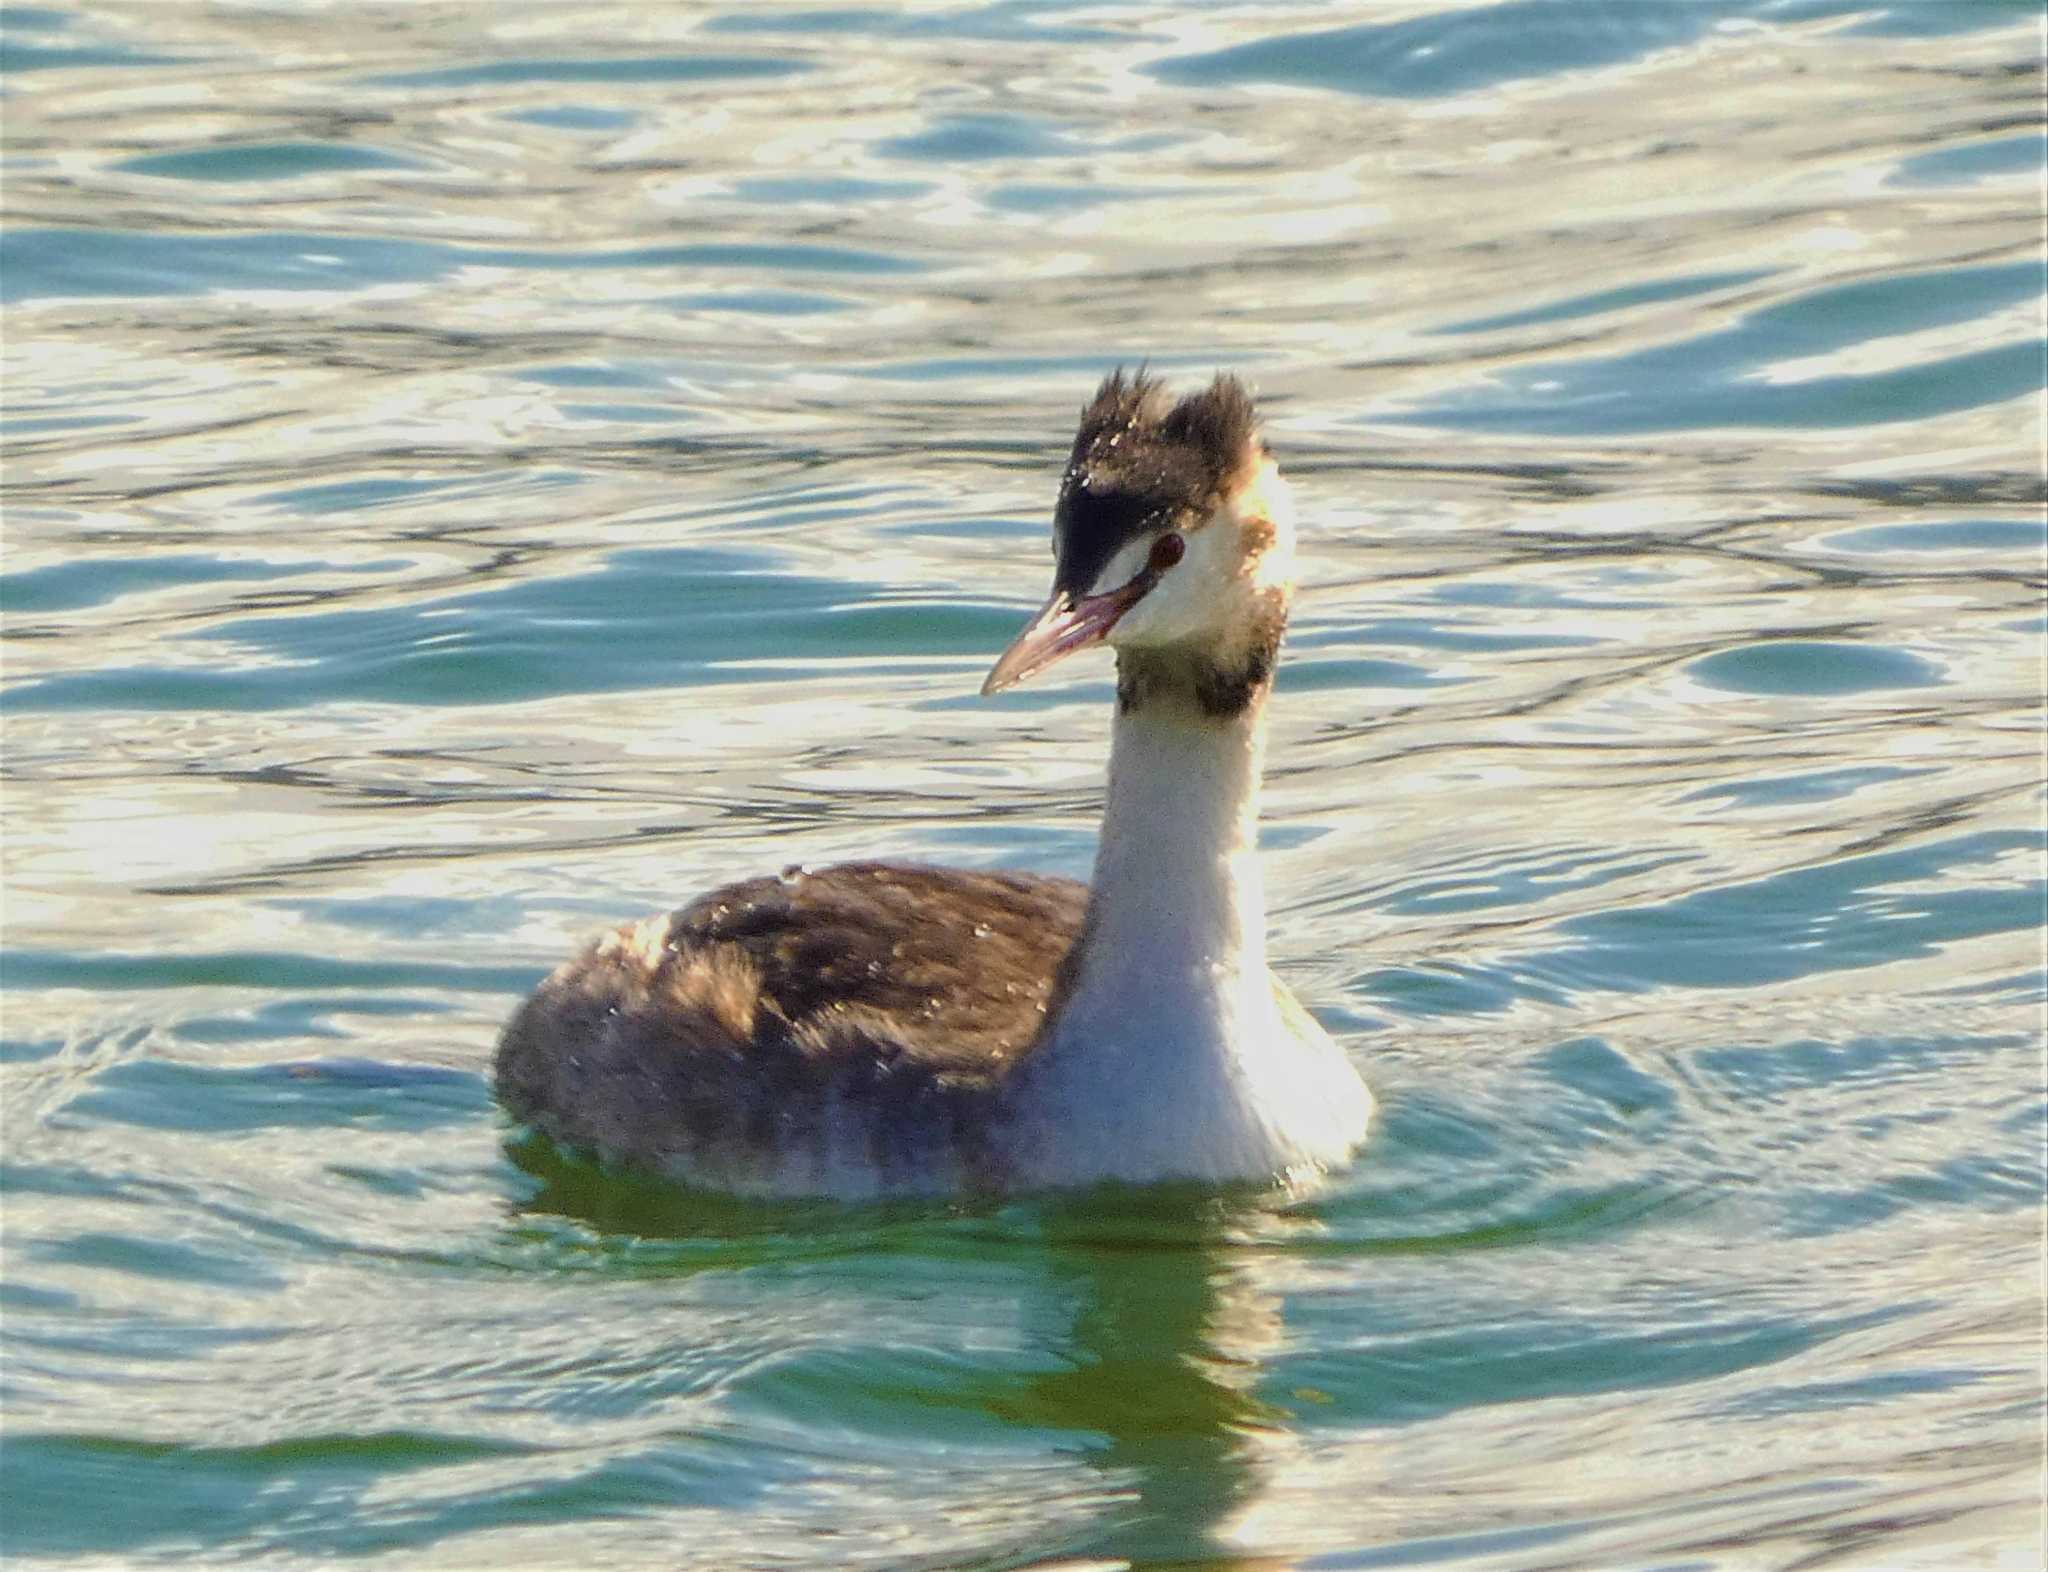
x=1063, y=625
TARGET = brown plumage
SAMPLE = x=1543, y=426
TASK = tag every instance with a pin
x=726, y=1038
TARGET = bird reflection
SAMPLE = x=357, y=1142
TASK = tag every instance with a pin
x=1147, y=1312
x=1170, y=1335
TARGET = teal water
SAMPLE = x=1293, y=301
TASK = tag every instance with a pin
x=478, y=473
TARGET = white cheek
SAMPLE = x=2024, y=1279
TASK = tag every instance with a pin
x=1212, y=560
x=1183, y=604
x=1154, y=620
x=1123, y=567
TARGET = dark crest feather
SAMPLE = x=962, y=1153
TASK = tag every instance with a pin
x=1141, y=463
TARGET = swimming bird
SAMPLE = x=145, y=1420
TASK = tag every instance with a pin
x=873, y=1028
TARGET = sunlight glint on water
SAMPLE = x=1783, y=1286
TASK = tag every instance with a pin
x=476, y=474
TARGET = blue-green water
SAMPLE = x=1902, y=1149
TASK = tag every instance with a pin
x=479, y=472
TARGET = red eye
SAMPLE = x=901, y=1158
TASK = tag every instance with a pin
x=1166, y=551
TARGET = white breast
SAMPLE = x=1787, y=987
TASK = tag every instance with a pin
x=1186, y=1083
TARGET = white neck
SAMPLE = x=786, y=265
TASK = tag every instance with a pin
x=1172, y=1054
x=1179, y=906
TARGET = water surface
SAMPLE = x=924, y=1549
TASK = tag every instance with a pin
x=478, y=473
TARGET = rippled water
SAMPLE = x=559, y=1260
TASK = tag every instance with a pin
x=478, y=472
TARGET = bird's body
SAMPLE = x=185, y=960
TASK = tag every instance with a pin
x=874, y=1028
x=829, y=1032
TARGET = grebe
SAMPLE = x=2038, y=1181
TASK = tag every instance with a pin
x=876, y=1027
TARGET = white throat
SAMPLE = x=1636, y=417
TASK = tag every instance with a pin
x=1175, y=1053
x=1178, y=917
